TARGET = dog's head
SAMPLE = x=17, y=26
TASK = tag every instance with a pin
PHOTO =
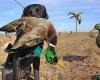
x=35, y=10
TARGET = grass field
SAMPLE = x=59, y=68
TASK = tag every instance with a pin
x=79, y=58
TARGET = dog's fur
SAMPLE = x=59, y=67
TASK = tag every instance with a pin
x=35, y=10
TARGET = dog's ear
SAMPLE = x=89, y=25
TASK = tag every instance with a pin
x=44, y=12
x=46, y=15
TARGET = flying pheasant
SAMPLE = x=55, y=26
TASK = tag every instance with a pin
x=29, y=30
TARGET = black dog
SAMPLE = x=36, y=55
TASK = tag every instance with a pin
x=35, y=10
x=39, y=11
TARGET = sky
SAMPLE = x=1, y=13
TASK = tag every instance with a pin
x=58, y=12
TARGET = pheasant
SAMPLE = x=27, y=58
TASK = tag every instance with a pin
x=31, y=29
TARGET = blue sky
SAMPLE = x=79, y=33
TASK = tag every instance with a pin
x=58, y=12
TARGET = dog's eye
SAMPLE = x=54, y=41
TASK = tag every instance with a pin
x=37, y=9
x=30, y=12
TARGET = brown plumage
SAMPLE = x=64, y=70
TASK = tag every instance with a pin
x=30, y=29
x=10, y=27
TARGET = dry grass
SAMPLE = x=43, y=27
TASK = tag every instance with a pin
x=78, y=59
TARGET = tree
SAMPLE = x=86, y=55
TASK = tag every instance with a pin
x=77, y=18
